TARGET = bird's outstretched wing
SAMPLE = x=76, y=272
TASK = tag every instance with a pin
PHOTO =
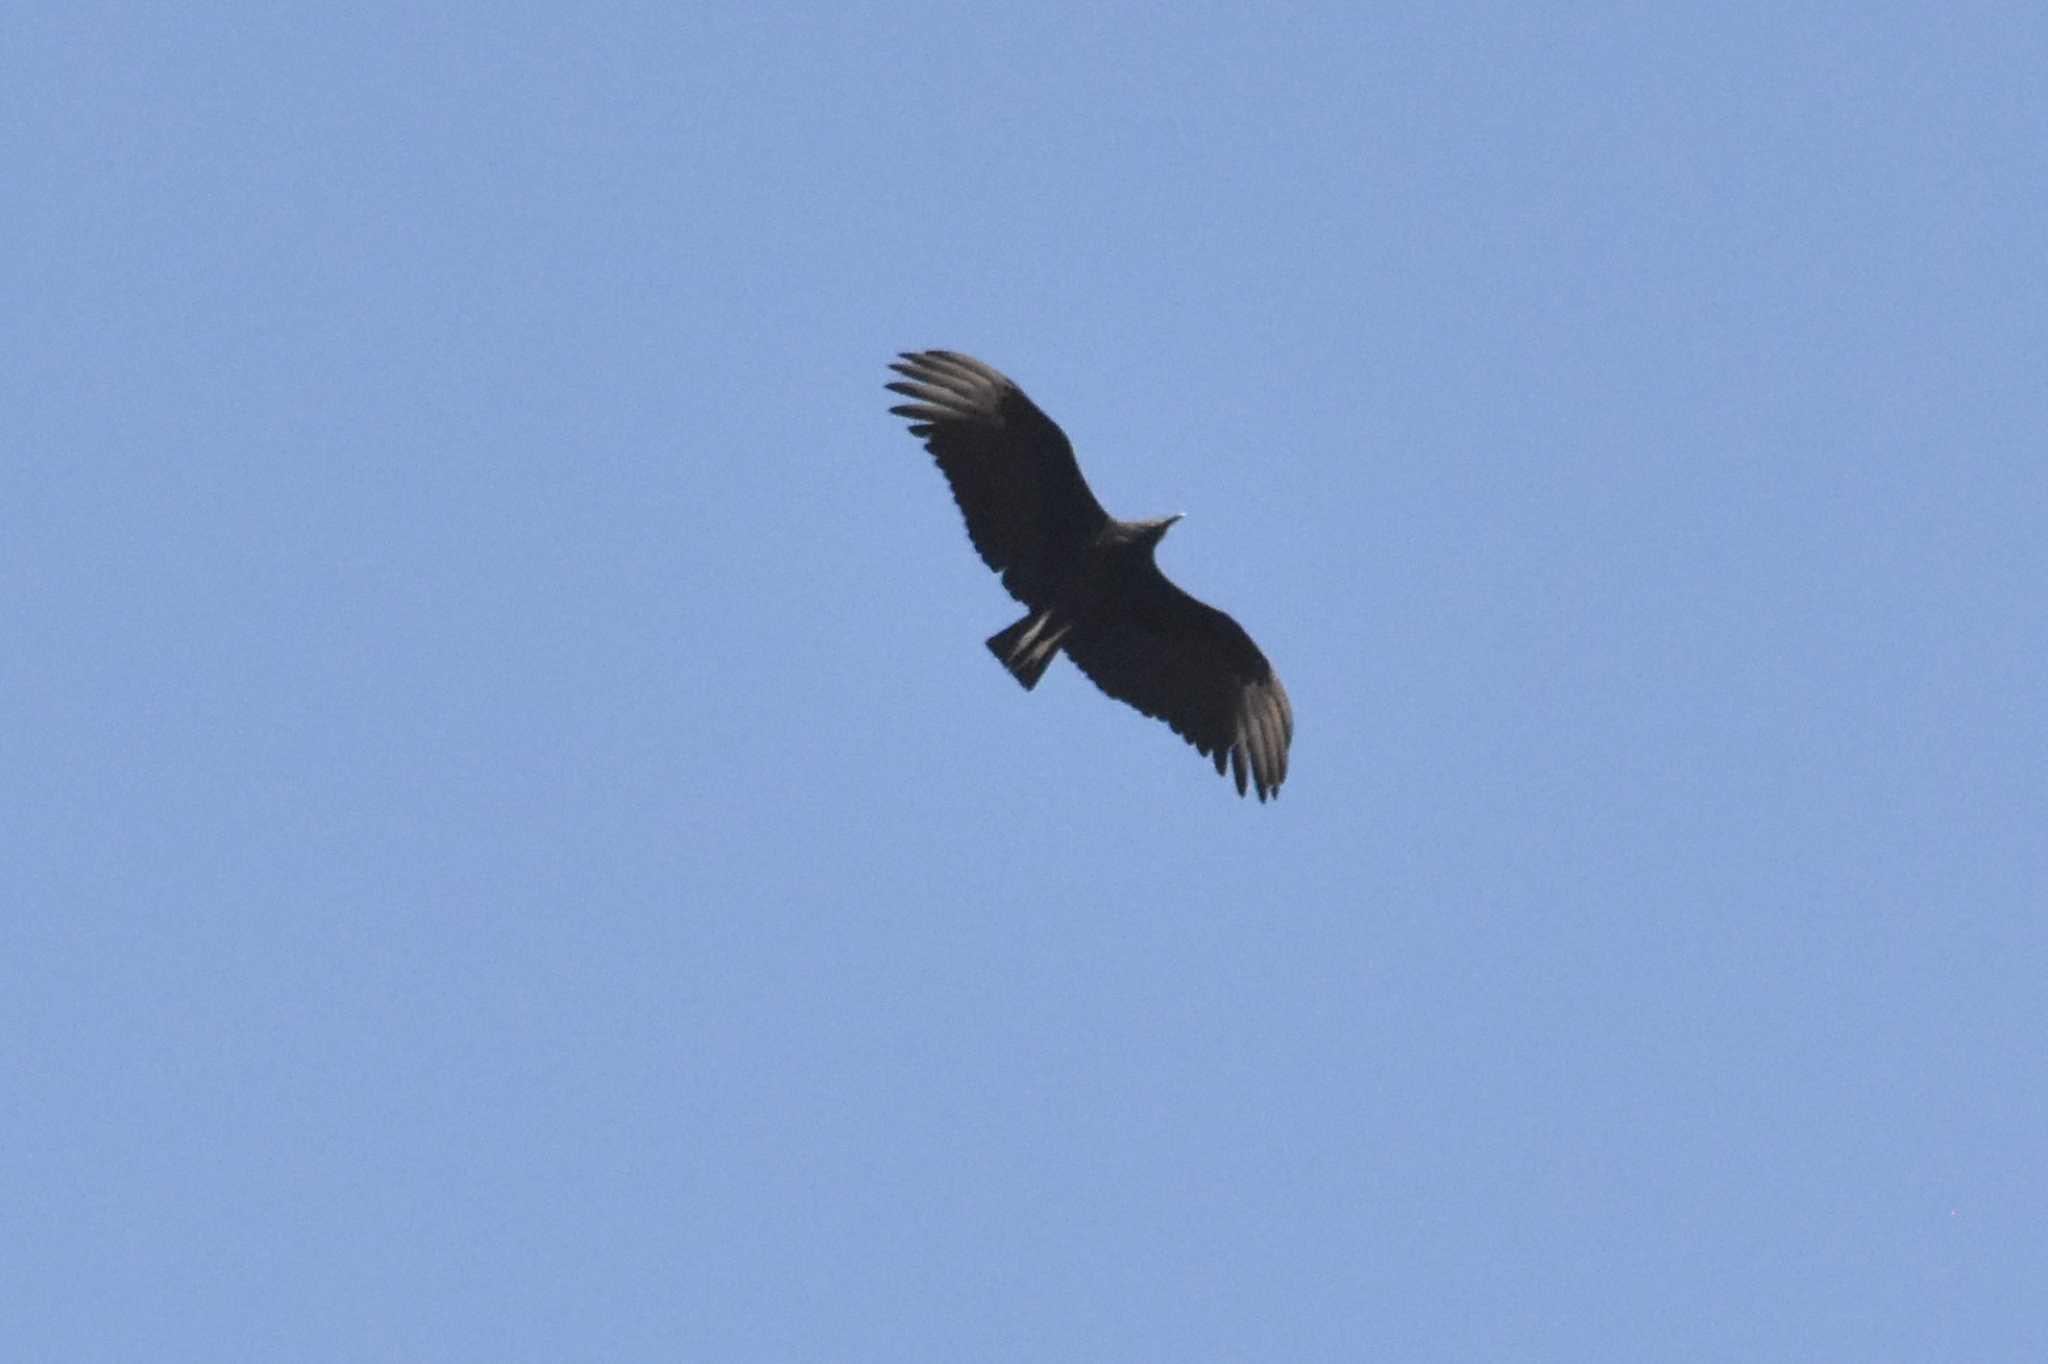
x=1028, y=510
x=1184, y=662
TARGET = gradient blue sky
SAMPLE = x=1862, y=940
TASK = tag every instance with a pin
x=515, y=849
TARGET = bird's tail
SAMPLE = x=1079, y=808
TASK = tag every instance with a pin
x=1029, y=646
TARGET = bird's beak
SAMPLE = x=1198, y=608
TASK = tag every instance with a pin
x=1175, y=517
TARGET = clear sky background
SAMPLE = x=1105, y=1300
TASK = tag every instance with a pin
x=515, y=849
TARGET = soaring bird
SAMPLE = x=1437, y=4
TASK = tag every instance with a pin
x=1088, y=579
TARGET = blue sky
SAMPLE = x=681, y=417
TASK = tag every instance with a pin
x=516, y=850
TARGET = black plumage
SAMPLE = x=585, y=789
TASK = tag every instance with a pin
x=1090, y=580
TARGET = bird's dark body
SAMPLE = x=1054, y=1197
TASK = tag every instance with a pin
x=1092, y=584
x=1094, y=587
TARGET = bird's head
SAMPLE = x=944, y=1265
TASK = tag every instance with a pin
x=1152, y=532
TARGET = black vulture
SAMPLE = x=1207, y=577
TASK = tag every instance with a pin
x=1089, y=580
